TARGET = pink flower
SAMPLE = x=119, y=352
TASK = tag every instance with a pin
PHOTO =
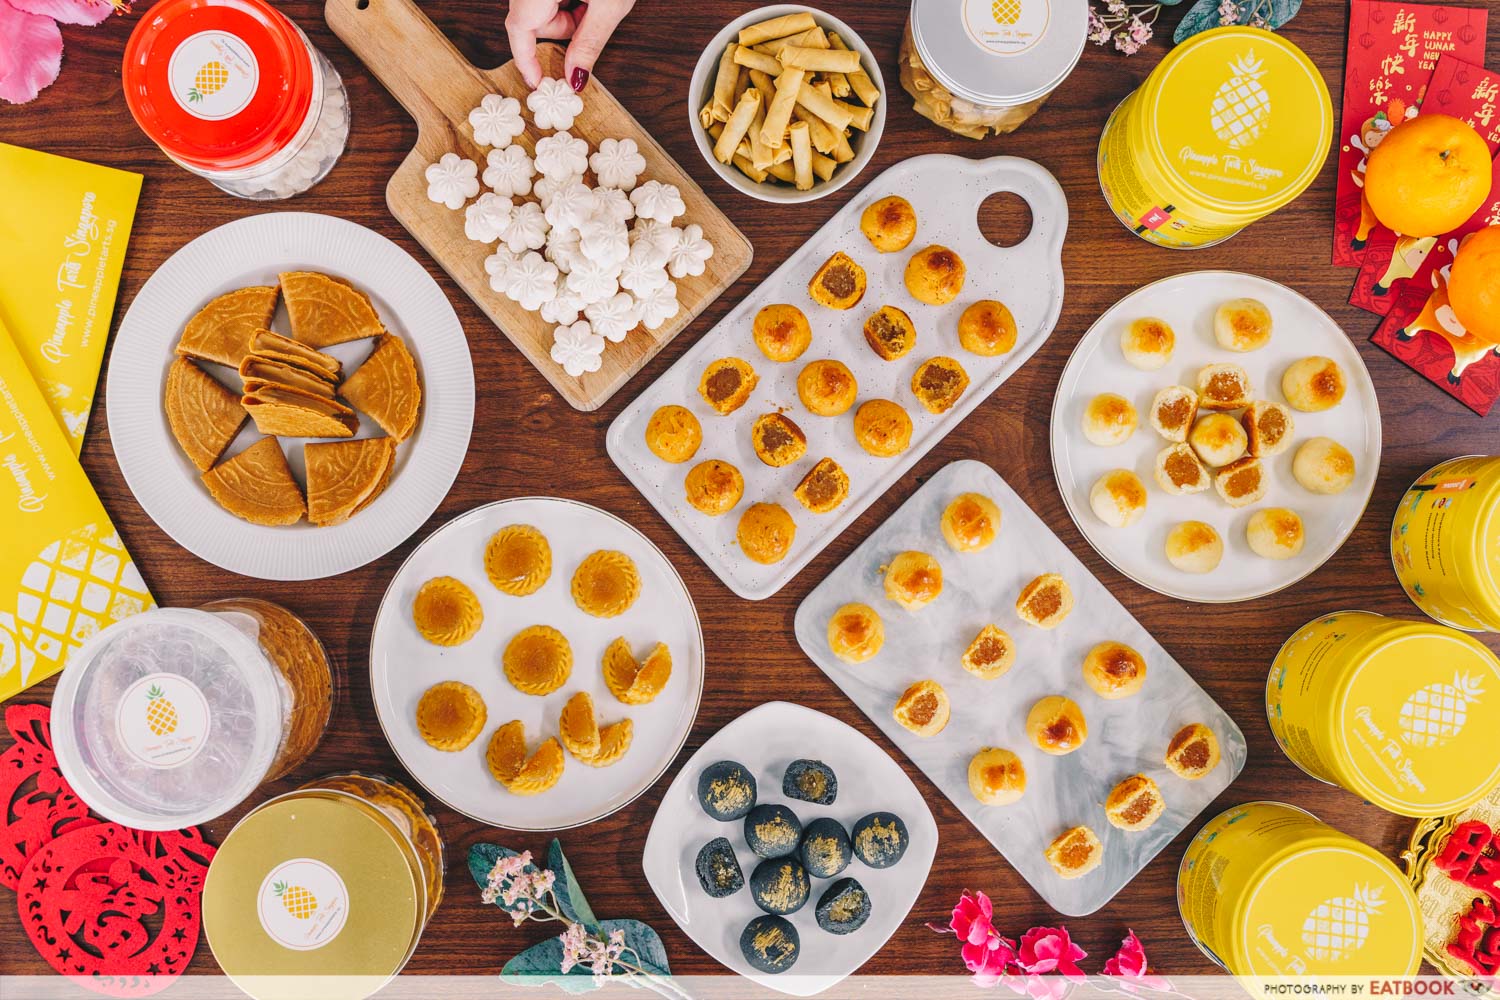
x=1129, y=964
x=990, y=959
x=973, y=918
x=1049, y=949
x=32, y=55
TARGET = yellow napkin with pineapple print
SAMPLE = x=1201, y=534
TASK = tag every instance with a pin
x=63, y=572
x=62, y=243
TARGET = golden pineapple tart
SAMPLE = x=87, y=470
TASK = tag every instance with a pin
x=839, y=283
x=996, y=776
x=450, y=715
x=935, y=275
x=766, y=532
x=325, y=310
x=727, y=383
x=1223, y=387
x=204, y=416
x=518, y=560
x=970, y=522
x=345, y=477
x=1193, y=752
x=882, y=428
x=1075, y=852
x=1242, y=325
x=1135, y=803
x=579, y=731
x=777, y=439
x=913, y=580
x=257, y=485
x=1314, y=384
x=446, y=612
x=923, y=708
x=1045, y=601
x=222, y=331
x=991, y=653
x=673, y=434
x=889, y=223
x=987, y=328
x=386, y=387
x=1194, y=547
x=1114, y=670
x=714, y=487
x=606, y=584
x=856, y=633
x=632, y=681
x=1147, y=343
x=825, y=486
x=1275, y=533
x=538, y=660
x=1173, y=411
x=827, y=388
x=781, y=332
x=1056, y=725
x=938, y=382
x=518, y=773
x=1109, y=419
x=890, y=333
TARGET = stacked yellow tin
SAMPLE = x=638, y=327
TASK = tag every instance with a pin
x=1402, y=713
x=1231, y=125
x=1445, y=543
x=1267, y=890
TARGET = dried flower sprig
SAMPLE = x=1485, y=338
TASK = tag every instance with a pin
x=1128, y=25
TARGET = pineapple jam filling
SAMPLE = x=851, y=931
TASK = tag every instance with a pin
x=922, y=583
x=1272, y=426
x=1243, y=483
x=1044, y=604
x=939, y=380
x=723, y=383
x=1225, y=387
x=1075, y=853
x=847, y=907
x=1174, y=413
x=839, y=281
x=989, y=650
x=1139, y=808
x=887, y=332
x=923, y=709
x=814, y=784
x=776, y=436
x=1193, y=756
x=822, y=488
x=1183, y=470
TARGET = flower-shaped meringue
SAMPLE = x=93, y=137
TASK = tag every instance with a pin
x=655, y=200
x=617, y=201
x=547, y=187
x=618, y=163
x=561, y=155
x=602, y=239
x=642, y=271
x=564, y=309
x=509, y=172
x=497, y=265
x=527, y=228
x=486, y=218
x=659, y=238
x=593, y=281
x=569, y=204
x=497, y=121
x=658, y=305
x=531, y=281
x=614, y=317
x=562, y=248
x=689, y=253
x=577, y=348
x=452, y=180
x=553, y=104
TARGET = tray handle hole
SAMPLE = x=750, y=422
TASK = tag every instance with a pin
x=361, y=4
x=1005, y=218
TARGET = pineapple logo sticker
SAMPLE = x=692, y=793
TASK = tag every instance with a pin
x=1241, y=107
x=1006, y=27
x=1338, y=927
x=302, y=904
x=162, y=720
x=213, y=75
x=1435, y=714
x=209, y=80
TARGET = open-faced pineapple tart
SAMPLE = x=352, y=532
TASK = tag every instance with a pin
x=518, y=560
x=714, y=487
x=839, y=283
x=1045, y=601
x=855, y=633
x=257, y=485
x=991, y=653
x=913, y=580
x=1147, y=343
x=827, y=388
x=781, y=332
x=923, y=708
x=935, y=275
x=518, y=773
x=578, y=728
x=446, y=612
x=1193, y=752
x=1056, y=725
x=987, y=328
x=882, y=428
x=970, y=522
x=632, y=681
x=203, y=415
x=890, y=333
x=825, y=486
x=606, y=584
x=450, y=715
x=1075, y=852
x=777, y=439
x=766, y=532
x=673, y=434
x=1114, y=670
x=938, y=382
x=890, y=224
x=727, y=383
x=996, y=776
x=538, y=660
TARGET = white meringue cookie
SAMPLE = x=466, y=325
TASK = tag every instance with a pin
x=531, y=281
x=658, y=305
x=617, y=201
x=655, y=200
x=509, y=172
x=527, y=228
x=497, y=265
x=561, y=155
x=562, y=248
x=614, y=317
x=658, y=238
x=486, y=218
x=618, y=163
x=570, y=204
x=577, y=348
x=564, y=309
x=688, y=255
x=553, y=104
x=547, y=187
x=602, y=239
x=593, y=281
x=452, y=180
x=497, y=121
x=642, y=271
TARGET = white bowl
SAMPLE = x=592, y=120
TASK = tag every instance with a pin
x=700, y=91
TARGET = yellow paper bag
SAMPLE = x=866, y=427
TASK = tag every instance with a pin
x=63, y=232
x=64, y=574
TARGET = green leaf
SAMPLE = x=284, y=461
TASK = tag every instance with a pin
x=1204, y=15
x=570, y=898
x=541, y=965
x=482, y=859
x=645, y=942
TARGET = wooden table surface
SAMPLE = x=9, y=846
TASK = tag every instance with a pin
x=526, y=440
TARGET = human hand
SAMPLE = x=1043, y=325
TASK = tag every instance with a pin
x=588, y=25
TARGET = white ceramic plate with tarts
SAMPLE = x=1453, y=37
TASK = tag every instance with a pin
x=403, y=664
x=946, y=192
x=1187, y=302
x=766, y=739
x=1125, y=736
x=253, y=251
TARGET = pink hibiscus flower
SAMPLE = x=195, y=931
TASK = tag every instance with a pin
x=1130, y=965
x=33, y=56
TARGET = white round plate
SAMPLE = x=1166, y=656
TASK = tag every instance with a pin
x=403, y=664
x=1187, y=302
x=766, y=739
x=253, y=251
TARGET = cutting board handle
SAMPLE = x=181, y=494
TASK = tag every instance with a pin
x=409, y=55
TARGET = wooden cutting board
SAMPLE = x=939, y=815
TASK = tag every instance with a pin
x=439, y=88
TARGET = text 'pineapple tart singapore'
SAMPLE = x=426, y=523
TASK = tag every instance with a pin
x=354, y=420
x=796, y=913
x=1082, y=682
x=573, y=681
x=1262, y=406
x=802, y=426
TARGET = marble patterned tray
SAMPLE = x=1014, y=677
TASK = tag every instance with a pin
x=1126, y=736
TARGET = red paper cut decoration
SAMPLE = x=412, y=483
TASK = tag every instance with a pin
x=1469, y=857
x=116, y=910
x=36, y=804
x=1477, y=943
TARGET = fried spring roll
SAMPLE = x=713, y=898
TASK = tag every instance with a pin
x=819, y=60
x=737, y=126
x=864, y=88
x=820, y=104
x=777, y=27
x=756, y=60
x=724, y=85
x=801, y=143
x=779, y=115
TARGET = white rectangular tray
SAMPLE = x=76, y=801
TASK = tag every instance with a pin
x=1127, y=736
x=946, y=192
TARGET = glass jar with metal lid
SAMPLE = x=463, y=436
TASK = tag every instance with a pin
x=981, y=66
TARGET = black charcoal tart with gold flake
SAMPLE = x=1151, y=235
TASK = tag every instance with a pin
x=844, y=907
x=726, y=790
x=780, y=885
x=810, y=781
x=718, y=869
x=772, y=831
x=770, y=944
x=880, y=839
x=826, y=849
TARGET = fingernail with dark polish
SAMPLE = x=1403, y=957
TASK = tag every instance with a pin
x=580, y=79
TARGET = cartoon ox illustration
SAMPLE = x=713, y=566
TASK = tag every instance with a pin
x=1437, y=318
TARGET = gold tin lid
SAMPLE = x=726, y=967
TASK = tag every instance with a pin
x=312, y=886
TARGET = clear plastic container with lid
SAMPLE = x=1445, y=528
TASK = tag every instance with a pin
x=981, y=66
x=172, y=717
x=234, y=92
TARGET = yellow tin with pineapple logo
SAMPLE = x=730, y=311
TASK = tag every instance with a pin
x=1445, y=543
x=1402, y=713
x=1267, y=890
x=1233, y=124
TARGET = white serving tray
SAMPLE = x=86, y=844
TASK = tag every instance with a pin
x=1187, y=302
x=766, y=739
x=946, y=192
x=1125, y=737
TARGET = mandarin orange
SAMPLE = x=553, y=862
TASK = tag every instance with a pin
x=1428, y=176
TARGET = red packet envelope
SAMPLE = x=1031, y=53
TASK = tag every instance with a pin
x=1467, y=92
x=1393, y=50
